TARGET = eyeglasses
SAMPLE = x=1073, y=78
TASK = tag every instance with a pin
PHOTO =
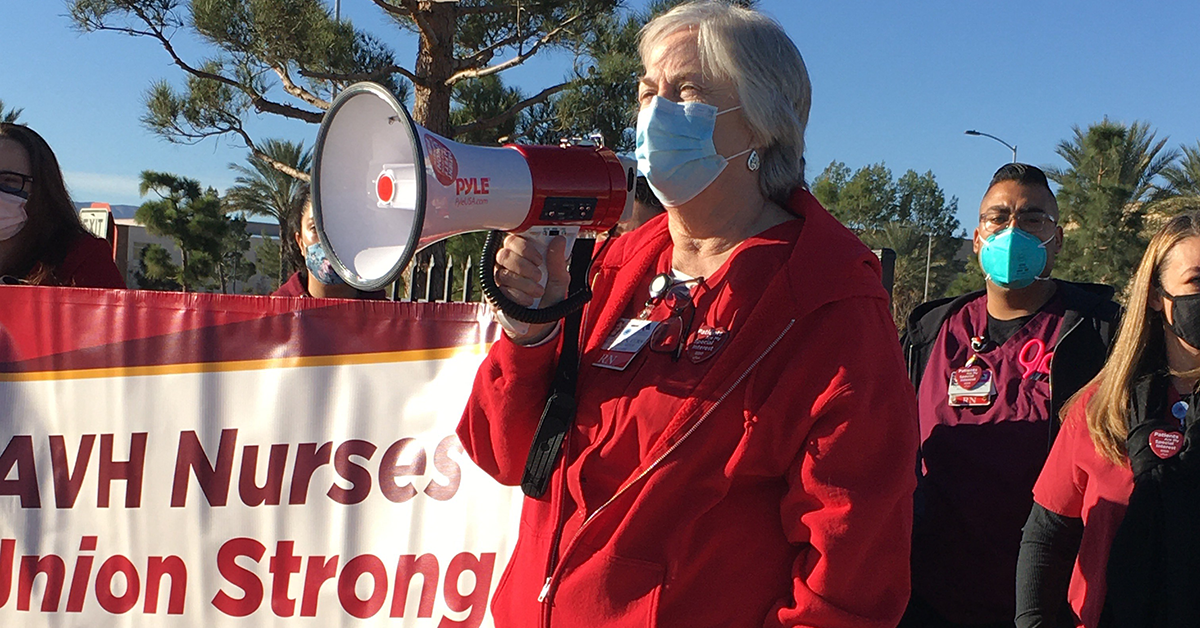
x=15, y=183
x=1032, y=221
x=670, y=335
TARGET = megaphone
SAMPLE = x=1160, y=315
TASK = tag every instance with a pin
x=384, y=187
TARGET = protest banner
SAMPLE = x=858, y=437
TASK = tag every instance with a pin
x=174, y=459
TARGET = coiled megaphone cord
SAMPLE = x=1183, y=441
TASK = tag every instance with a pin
x=534, y=316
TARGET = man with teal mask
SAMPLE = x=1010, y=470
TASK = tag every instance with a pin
x=992, y=369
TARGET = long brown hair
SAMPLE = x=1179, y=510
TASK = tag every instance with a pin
x=1138, y=345
x=53, y=224
x=293, y=256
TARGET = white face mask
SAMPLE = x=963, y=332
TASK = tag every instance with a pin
x=12, y=215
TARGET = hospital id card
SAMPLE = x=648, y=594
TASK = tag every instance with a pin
x=624, y=343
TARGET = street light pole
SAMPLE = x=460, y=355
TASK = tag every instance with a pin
x=1010, y=146
x=337, y=17
x=928, y=259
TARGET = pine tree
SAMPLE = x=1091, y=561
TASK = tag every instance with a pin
x=288, y=57
x=156, y=270
x=232, y=266
x=193, y=219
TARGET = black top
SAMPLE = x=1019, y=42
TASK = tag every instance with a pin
x=999, y=331
x=1049, y=546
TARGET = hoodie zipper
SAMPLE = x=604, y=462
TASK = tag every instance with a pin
x=553, y=559
x=558, y=529
x=547, y=588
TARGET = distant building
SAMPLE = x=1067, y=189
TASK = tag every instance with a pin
x=129, y=237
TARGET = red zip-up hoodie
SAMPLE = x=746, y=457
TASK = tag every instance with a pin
x=779, y=492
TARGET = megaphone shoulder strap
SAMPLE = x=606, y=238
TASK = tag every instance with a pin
x=559, y=413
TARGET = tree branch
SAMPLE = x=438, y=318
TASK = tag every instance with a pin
x=299, y=92
x=410, y=9
x=364, y=76
x=393, y=9
x=485, y=54
x=271, y=161
x=191, y=134
x=508, y=114
x=258, y=100
x=491, y=8
x=287, y=111
x=515, y=61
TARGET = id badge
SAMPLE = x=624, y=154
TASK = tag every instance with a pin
x=971, y=386
x=624, y=343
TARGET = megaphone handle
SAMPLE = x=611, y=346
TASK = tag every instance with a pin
x=540, y=237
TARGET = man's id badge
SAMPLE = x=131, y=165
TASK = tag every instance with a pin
x=971, y=386
x=623, y=344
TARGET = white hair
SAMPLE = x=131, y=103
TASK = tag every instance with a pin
x=753, y=52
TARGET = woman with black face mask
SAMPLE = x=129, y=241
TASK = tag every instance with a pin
x=1115, y=528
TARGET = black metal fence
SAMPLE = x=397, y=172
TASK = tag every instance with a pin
x=435, y=280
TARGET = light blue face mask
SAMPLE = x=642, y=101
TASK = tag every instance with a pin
x=1013, y=258
x=675, y=149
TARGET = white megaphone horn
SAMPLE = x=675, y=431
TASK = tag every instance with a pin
x=384, y=187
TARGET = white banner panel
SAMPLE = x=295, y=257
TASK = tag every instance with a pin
x=213, y=474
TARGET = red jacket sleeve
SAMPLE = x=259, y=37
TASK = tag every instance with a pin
x=850, y=488
x=506, y=404
x=89, y=265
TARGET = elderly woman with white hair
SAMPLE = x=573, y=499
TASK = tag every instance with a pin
x=745, y=434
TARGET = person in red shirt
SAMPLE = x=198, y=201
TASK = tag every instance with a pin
x=1117, y=506
x=42, y=240
x=742, y=448
x=317, y=278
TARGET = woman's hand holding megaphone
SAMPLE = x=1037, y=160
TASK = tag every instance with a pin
x=532, y=278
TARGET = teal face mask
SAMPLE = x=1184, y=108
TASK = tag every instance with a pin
x=1012, y=258
x=675, y=149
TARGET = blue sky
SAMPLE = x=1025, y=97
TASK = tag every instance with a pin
x=892, y=82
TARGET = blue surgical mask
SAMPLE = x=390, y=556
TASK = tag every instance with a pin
x=1013, y=258
x=319, y=266
x=675, y=149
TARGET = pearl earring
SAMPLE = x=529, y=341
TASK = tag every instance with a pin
x=753, y=162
